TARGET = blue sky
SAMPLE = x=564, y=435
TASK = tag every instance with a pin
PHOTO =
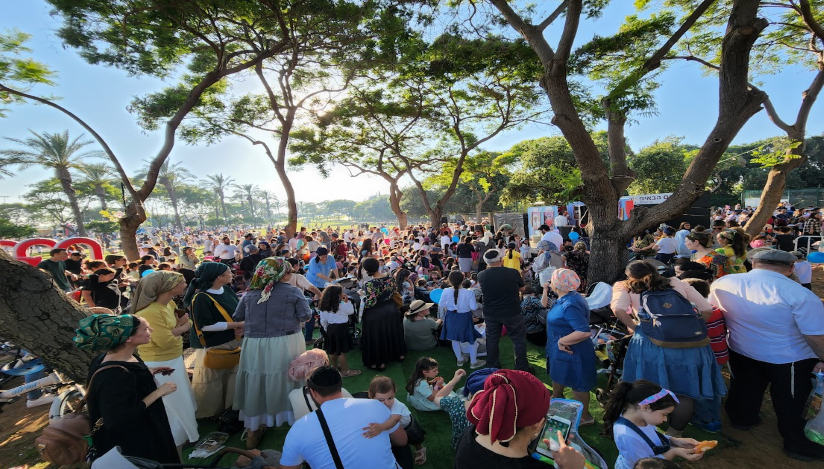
x=686, y=103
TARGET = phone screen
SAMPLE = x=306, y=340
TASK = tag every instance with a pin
x=551, y=428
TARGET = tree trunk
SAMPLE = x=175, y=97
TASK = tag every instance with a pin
x=608, y=251
x=128, y=232
x=31, y=309
x=101, y=194
x=435, y=215
x=222, y=205
x=66, y=183
x=395, y=195
x=773, y=191
x=170, y=189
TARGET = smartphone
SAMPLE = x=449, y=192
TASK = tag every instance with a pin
x=550, y=432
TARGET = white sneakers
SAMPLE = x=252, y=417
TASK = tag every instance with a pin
x=42, y=400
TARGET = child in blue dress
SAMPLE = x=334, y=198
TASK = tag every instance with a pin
x=425, y=385
x=458, y=303
x=632, y=413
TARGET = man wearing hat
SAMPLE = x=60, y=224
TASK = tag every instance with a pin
x=776, y=339
x=501, y=289
x=418, y=328
x=248, y=241
x=345, y=420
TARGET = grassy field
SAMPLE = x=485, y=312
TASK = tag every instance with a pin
x=437, y=425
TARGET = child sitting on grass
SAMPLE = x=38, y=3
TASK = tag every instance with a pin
x=425, y=384
x=383, y=389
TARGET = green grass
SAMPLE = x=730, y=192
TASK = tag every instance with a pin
x=437, y=425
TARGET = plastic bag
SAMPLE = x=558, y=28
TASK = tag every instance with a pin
x=814, y=430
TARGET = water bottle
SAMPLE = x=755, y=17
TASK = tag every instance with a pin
x=814, y=430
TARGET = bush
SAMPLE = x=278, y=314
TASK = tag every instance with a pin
x=10, y=230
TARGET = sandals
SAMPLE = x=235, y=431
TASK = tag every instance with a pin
x=420, y=456
x=351, y=373
x=253, y=437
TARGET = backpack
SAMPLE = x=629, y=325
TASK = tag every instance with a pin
x=670, y=320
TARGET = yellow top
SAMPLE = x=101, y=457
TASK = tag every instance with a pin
x=163, y=345
x=515, y=262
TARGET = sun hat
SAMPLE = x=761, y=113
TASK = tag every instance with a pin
x=417, y=306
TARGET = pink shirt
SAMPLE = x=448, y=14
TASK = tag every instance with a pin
x=631, y=302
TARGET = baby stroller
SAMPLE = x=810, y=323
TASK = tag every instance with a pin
x=608, y=334
x=140, y=463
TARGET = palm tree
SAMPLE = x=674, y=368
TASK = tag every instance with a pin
x=249, y=192
x=58, y=153
x=170, y=177
x=270, y=199
x=99, y=176
x=219, y=183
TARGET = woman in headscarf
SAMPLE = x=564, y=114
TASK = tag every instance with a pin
x=273, y=312
x=152, y=301
x=570, y=355
x=124, y=394
x=504, y=422
x=211, y=301
x=382, y=338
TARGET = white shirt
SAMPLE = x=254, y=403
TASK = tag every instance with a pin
x=668, y=245
x=631, y=447
x=553, y=237
x=561, y=220
x=341, y=316
x=445, y=241
x=346, y=419
x=298, y=400
x=399, y=408
x=768, y=315
x=298, y=280
x=466, y=301
x=225, y=251
x=804, y=271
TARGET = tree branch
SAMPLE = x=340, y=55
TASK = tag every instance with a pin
x=553, y=16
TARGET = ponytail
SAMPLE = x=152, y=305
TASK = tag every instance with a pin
x=626, y=394
x=455, y=279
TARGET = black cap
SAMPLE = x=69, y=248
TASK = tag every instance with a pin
x=325, y=376
x=544, y=227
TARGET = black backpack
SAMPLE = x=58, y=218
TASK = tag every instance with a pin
x=670, y=320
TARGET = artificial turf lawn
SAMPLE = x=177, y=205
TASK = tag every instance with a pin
x=438, y=428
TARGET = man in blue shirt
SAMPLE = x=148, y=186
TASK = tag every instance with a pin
x=321, y=268
x=346, y=419
x=248, y=241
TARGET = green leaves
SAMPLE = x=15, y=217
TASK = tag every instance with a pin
x=775, y=151
x=18, y=72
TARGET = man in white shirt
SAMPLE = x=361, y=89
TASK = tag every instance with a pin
x=226, y=251
x=552, y=236
x=346, y=420
x=561, y=220
x=776, y=339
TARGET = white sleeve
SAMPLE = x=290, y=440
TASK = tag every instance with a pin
x=218, y=326
x=346, y=308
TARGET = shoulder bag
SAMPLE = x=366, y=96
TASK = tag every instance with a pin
x=329, y=441
x=217, y=359
x=67, y=439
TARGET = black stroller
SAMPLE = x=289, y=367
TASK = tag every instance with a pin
x=610, y=336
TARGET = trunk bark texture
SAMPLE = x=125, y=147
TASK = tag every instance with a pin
x=101, y=194
x=170, y=189
x=395, y=195
x=66, y=183
x=35, y=315
x=773, y=191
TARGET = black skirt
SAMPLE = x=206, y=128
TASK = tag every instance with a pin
x=337, y=339
x=382, y=340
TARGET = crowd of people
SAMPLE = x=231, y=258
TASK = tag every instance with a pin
x=248, y=303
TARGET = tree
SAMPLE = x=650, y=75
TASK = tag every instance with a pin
x=341, y=207
x=56, y=152
x=212, y=42
x=219, y=183
x=375, y=208
x=249, y=191
x=625, y=66
x=270, y=201
x=658, y=167
x=99, y=176
x=13, y=231
x=170, y=177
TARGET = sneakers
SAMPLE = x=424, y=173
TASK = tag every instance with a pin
x=477, y=364
x=42, y=400
x=461, y=362
x=710, y=427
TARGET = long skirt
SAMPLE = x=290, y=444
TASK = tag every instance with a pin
x=180, y=405
x=382, y=340
x=214, y=389
x=262, y=387
x=691, y=372
x=465, y=264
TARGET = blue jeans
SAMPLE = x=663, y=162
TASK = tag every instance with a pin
x=309, y=329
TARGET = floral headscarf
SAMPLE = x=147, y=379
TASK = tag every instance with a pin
x=268, y=272
x=565, y=280
x=104, y=331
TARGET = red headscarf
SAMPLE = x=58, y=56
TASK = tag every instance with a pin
x=510, y=400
